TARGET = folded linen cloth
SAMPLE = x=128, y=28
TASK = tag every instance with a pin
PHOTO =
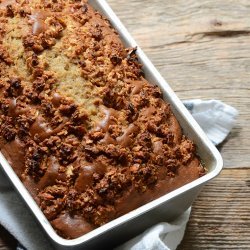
x=163, y=236
x=214, y=117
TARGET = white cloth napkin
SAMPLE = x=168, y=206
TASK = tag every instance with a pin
x=216, y=119
x=163, y=236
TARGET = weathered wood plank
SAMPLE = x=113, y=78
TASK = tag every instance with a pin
x=220, y=216
x=202, y=49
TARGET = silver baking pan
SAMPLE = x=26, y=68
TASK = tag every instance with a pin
x=164, y=208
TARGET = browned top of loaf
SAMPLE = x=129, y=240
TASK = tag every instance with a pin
x=89, y=137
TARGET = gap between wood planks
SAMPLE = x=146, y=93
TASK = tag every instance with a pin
x=220, y=215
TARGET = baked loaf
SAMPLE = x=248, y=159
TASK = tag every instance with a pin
x=86, y=133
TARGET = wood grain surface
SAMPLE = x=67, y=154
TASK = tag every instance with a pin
x=202, y=48
x=221, y=215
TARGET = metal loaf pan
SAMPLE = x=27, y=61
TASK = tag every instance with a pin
x=164, y=208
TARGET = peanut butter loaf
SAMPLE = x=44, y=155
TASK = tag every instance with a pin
x=85, y=132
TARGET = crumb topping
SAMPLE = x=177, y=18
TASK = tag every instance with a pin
x=79, y=123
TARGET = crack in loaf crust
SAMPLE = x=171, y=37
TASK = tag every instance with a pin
x=88, y=136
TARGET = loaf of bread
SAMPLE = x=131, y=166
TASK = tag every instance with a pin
x=85, y=132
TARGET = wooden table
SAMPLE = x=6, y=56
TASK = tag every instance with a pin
x=202, y=48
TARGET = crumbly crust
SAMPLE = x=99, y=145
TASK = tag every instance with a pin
x=88, y=136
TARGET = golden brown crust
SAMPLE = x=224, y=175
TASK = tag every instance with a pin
x=79, y=124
